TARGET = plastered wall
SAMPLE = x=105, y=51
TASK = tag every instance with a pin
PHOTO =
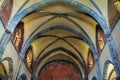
x=116, y=36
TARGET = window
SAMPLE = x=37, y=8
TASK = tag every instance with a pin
x=23, y=77
x=29, y=58
x=6, y=69
x=18, y=36
x=100, y=39
x=94, y=78
x=90, y=61
x=109, y=71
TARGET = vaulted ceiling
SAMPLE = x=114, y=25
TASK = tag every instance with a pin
x=58, y=31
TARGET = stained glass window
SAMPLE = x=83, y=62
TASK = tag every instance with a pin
x=18, y=36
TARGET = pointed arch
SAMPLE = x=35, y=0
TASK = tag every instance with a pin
x=100, y=39
x=29, y=58
x=108, y=71
x=20, y=15
x=90, y=61
x=9, y=75
x=94, y=78
x=65, y=62
x=67, y=52
x=18, y=36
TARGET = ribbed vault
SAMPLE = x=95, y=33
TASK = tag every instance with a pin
x=59, y=39
x=60, y=32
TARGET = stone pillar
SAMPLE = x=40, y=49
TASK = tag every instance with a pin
x=97, y=67
x=114, y=54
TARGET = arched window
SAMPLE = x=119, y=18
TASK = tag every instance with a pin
x=109, y=71
x=18, y=36
x=90, y=61
x=100, y=39
x=29, y=58
x=22, y=77
x=3, y=71
x=6, y=69
x=94, y=78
